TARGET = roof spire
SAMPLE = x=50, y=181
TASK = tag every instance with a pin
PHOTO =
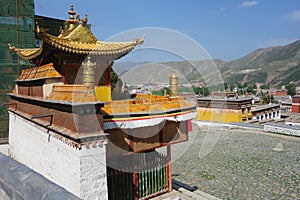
x=71, y=19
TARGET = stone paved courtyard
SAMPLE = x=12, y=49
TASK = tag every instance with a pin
x=241, y=164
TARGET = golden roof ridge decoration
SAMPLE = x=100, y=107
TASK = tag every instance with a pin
x=78, y=40
x=97, y=47
x=71, y=21
x=28, y=53
x=80, y=33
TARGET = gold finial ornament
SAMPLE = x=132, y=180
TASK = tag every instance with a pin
x=78, y=18
x=37, y=27
x=173, y=84
x=61, y=30
x=85, y=20
x=140, y=40
x=71, y=21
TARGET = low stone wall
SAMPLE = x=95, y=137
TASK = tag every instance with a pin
x=80, y=171
x=4, y=149
x=268, y=127
x=283, y=129
x=20, y=182
x=246, y=125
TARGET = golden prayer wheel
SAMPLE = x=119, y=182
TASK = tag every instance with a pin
x=88, y=73
x=173, y=84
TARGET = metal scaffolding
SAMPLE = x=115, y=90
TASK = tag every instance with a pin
x=17, y=29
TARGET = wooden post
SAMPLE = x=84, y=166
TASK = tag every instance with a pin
x=107, y=75
x=168, y=169
x=135, y=180
x=135, y=185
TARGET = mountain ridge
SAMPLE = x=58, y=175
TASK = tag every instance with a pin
x=272, y=65
x=276, y=66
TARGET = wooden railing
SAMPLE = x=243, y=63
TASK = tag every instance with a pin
x=146, y=177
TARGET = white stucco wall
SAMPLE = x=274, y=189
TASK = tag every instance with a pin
x=82, y=172
x=4, y=149
x=283, y=129
x=270, y=115
x=48, y=86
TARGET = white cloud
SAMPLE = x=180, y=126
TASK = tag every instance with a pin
x=223, y=11
x=247, y=4
x=293, y=15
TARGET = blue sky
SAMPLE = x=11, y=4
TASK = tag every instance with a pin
x=225, y=29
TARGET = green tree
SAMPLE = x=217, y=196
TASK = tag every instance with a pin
x=203, y=90
x=206, y=91
x=162, y=91
x=265, y=86
x=225, y=86
x=250, y=89
x=240, y=85
x=291, y=89
x=231, y=87
x=272, y=99
x=196, y=90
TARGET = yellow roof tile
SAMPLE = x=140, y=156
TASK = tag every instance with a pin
x=79, y=40
x=45, y=71
x=72, y=93
x=145, y=103
x=26, y=54
x=95, y=48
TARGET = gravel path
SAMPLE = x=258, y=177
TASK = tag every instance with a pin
x=241, y=164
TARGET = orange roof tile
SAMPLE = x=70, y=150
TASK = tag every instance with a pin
x=72, y=93
x=45, y=71
x=145, y=103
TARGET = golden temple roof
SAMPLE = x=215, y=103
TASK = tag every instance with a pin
x=26, y=54
x=79, y=40
x=80, y=33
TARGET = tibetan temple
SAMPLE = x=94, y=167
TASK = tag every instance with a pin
x=224, y=110
x=65, y=124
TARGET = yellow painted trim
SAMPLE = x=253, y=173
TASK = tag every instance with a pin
x=222, y=115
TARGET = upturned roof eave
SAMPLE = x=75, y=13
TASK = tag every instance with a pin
x=72, y=44
x=27, y=53
x=117, y=49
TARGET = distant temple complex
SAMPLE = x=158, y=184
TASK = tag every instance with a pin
x=65, y=124
x=224, y=110
x=296, y=104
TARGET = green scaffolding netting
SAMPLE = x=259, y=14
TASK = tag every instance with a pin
x=16, y=28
